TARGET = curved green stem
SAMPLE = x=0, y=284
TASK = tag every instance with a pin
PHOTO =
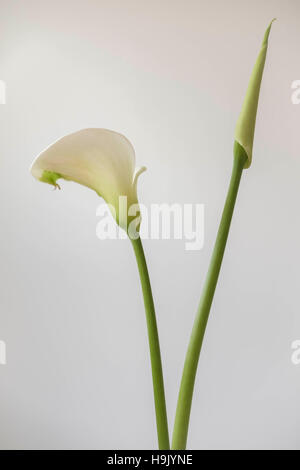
x=155, y=356
x=192, y=357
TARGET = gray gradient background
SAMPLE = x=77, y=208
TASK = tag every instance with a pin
x=171, y=76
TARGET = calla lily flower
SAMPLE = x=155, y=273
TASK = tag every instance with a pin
x=100, y=159
x=104, y=161
x=244, y=132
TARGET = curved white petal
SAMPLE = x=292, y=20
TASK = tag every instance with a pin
x=100, y=159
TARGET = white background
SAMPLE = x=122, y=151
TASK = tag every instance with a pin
x=170, y=75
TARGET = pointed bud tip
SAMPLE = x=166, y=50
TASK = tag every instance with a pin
x=267, y=33
x=244, y=132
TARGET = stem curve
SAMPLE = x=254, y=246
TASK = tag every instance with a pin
x=155, y=356
x=185, y=397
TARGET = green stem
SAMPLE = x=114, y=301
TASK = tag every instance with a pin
x=157, y=373
x=192, y=357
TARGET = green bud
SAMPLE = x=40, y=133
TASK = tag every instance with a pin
x=244, y=132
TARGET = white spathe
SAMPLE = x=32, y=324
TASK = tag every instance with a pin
x=101, y=159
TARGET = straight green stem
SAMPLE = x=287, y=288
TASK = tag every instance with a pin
x=185, y=397
x=155, y=356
